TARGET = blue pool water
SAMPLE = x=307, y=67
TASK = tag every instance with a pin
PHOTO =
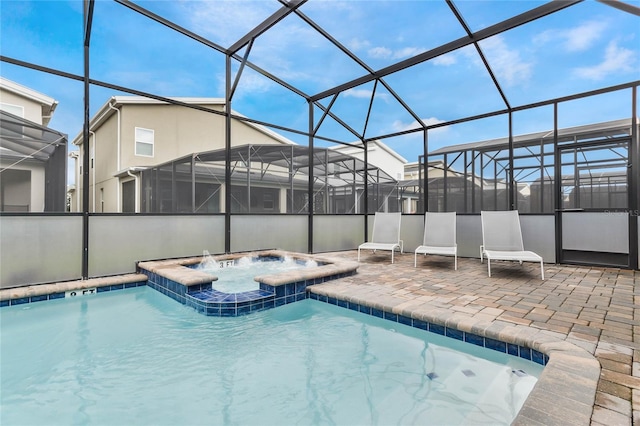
x=239, y=277
x=136, y=357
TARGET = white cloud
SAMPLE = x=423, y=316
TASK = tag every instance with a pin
x=510, y=69
x=358, y=93
x=380, y=52
x=357, y=44
x=574, y=39
x=225, y=21
x=400, y=126
x=616, y=60
x=407, y=52
x=365, y=94
x=445, y=60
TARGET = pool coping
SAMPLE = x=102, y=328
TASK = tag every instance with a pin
x=565, y=391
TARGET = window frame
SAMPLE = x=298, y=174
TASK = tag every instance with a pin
x=138, y=141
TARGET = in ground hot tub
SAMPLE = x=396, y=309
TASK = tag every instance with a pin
x=192, y=282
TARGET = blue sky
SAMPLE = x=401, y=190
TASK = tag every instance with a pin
x=585, y=47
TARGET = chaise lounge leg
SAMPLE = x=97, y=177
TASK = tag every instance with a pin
x=489, y=266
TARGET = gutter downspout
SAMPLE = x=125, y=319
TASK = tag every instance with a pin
x=137, y=198
x=119, y=210
x=93, y=166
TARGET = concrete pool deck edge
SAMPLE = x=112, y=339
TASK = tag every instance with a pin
x=565, y=392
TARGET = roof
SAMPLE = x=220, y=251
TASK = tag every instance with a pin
x=347, y=147
x=48, y=103
x=107, y=110
x=608, y=128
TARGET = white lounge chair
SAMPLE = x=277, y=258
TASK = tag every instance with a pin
x=386, y=234
x=439, y=236
x=502, y=239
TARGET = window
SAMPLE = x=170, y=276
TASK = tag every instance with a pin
x=144, y=142
x=12, y=109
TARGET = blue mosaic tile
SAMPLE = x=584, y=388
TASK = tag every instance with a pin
x=332, y=300
x=377, y=313
x=280, y=291
x=512, y=349
x=453, y=333
x=290, y=299
x=281, y=301
x=53, y=296
x=435, y=328
x=496, y=345
x=117, y=287
x=39, y=298
x=313, y=296
x=391, y=316
x=525, y=353
x=227, y=312
x=404, y=320
x=537, y=357
x=422, y=325
x=19, y=301
x=365, y=309
x=130, y=285
x=269, y=303
x=301, y=286
x=301, y=296
x=474, y=339
x=104, y=289
x=354, y=306
x=243, y=310
x=4, y=303
x=342, y=303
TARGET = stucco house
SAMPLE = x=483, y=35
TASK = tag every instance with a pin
x=129, y=134
x=32, y=156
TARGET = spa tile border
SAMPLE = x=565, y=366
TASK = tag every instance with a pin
x=475, y=339
x=179, y=280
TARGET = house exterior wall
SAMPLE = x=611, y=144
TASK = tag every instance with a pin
x=32, y=109
x=17, y=193
x=178, y=131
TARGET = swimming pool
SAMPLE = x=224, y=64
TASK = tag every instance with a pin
x=136, y=357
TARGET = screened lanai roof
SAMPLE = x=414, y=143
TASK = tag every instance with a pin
x=23, y=138
x=363, y=70
x=608, y=129
x=284, y=157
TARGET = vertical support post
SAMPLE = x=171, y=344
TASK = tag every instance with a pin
x=634, y=182
x=88, y=20
x=511, y=187
x=227, y=158
x=193, y=183
x=445, y=184
x=557, y=167
x=366, y=191
x=425, y=185
x=310, y=183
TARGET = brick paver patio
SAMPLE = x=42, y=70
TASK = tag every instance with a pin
x=589, y=314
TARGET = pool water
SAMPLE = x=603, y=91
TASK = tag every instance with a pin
x=239, y=278
x=136, y=357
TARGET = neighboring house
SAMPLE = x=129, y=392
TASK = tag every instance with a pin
x=129, y=134
x=379, y=155
x=33, y=157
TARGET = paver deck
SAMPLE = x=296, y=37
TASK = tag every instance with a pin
x=596, y=310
